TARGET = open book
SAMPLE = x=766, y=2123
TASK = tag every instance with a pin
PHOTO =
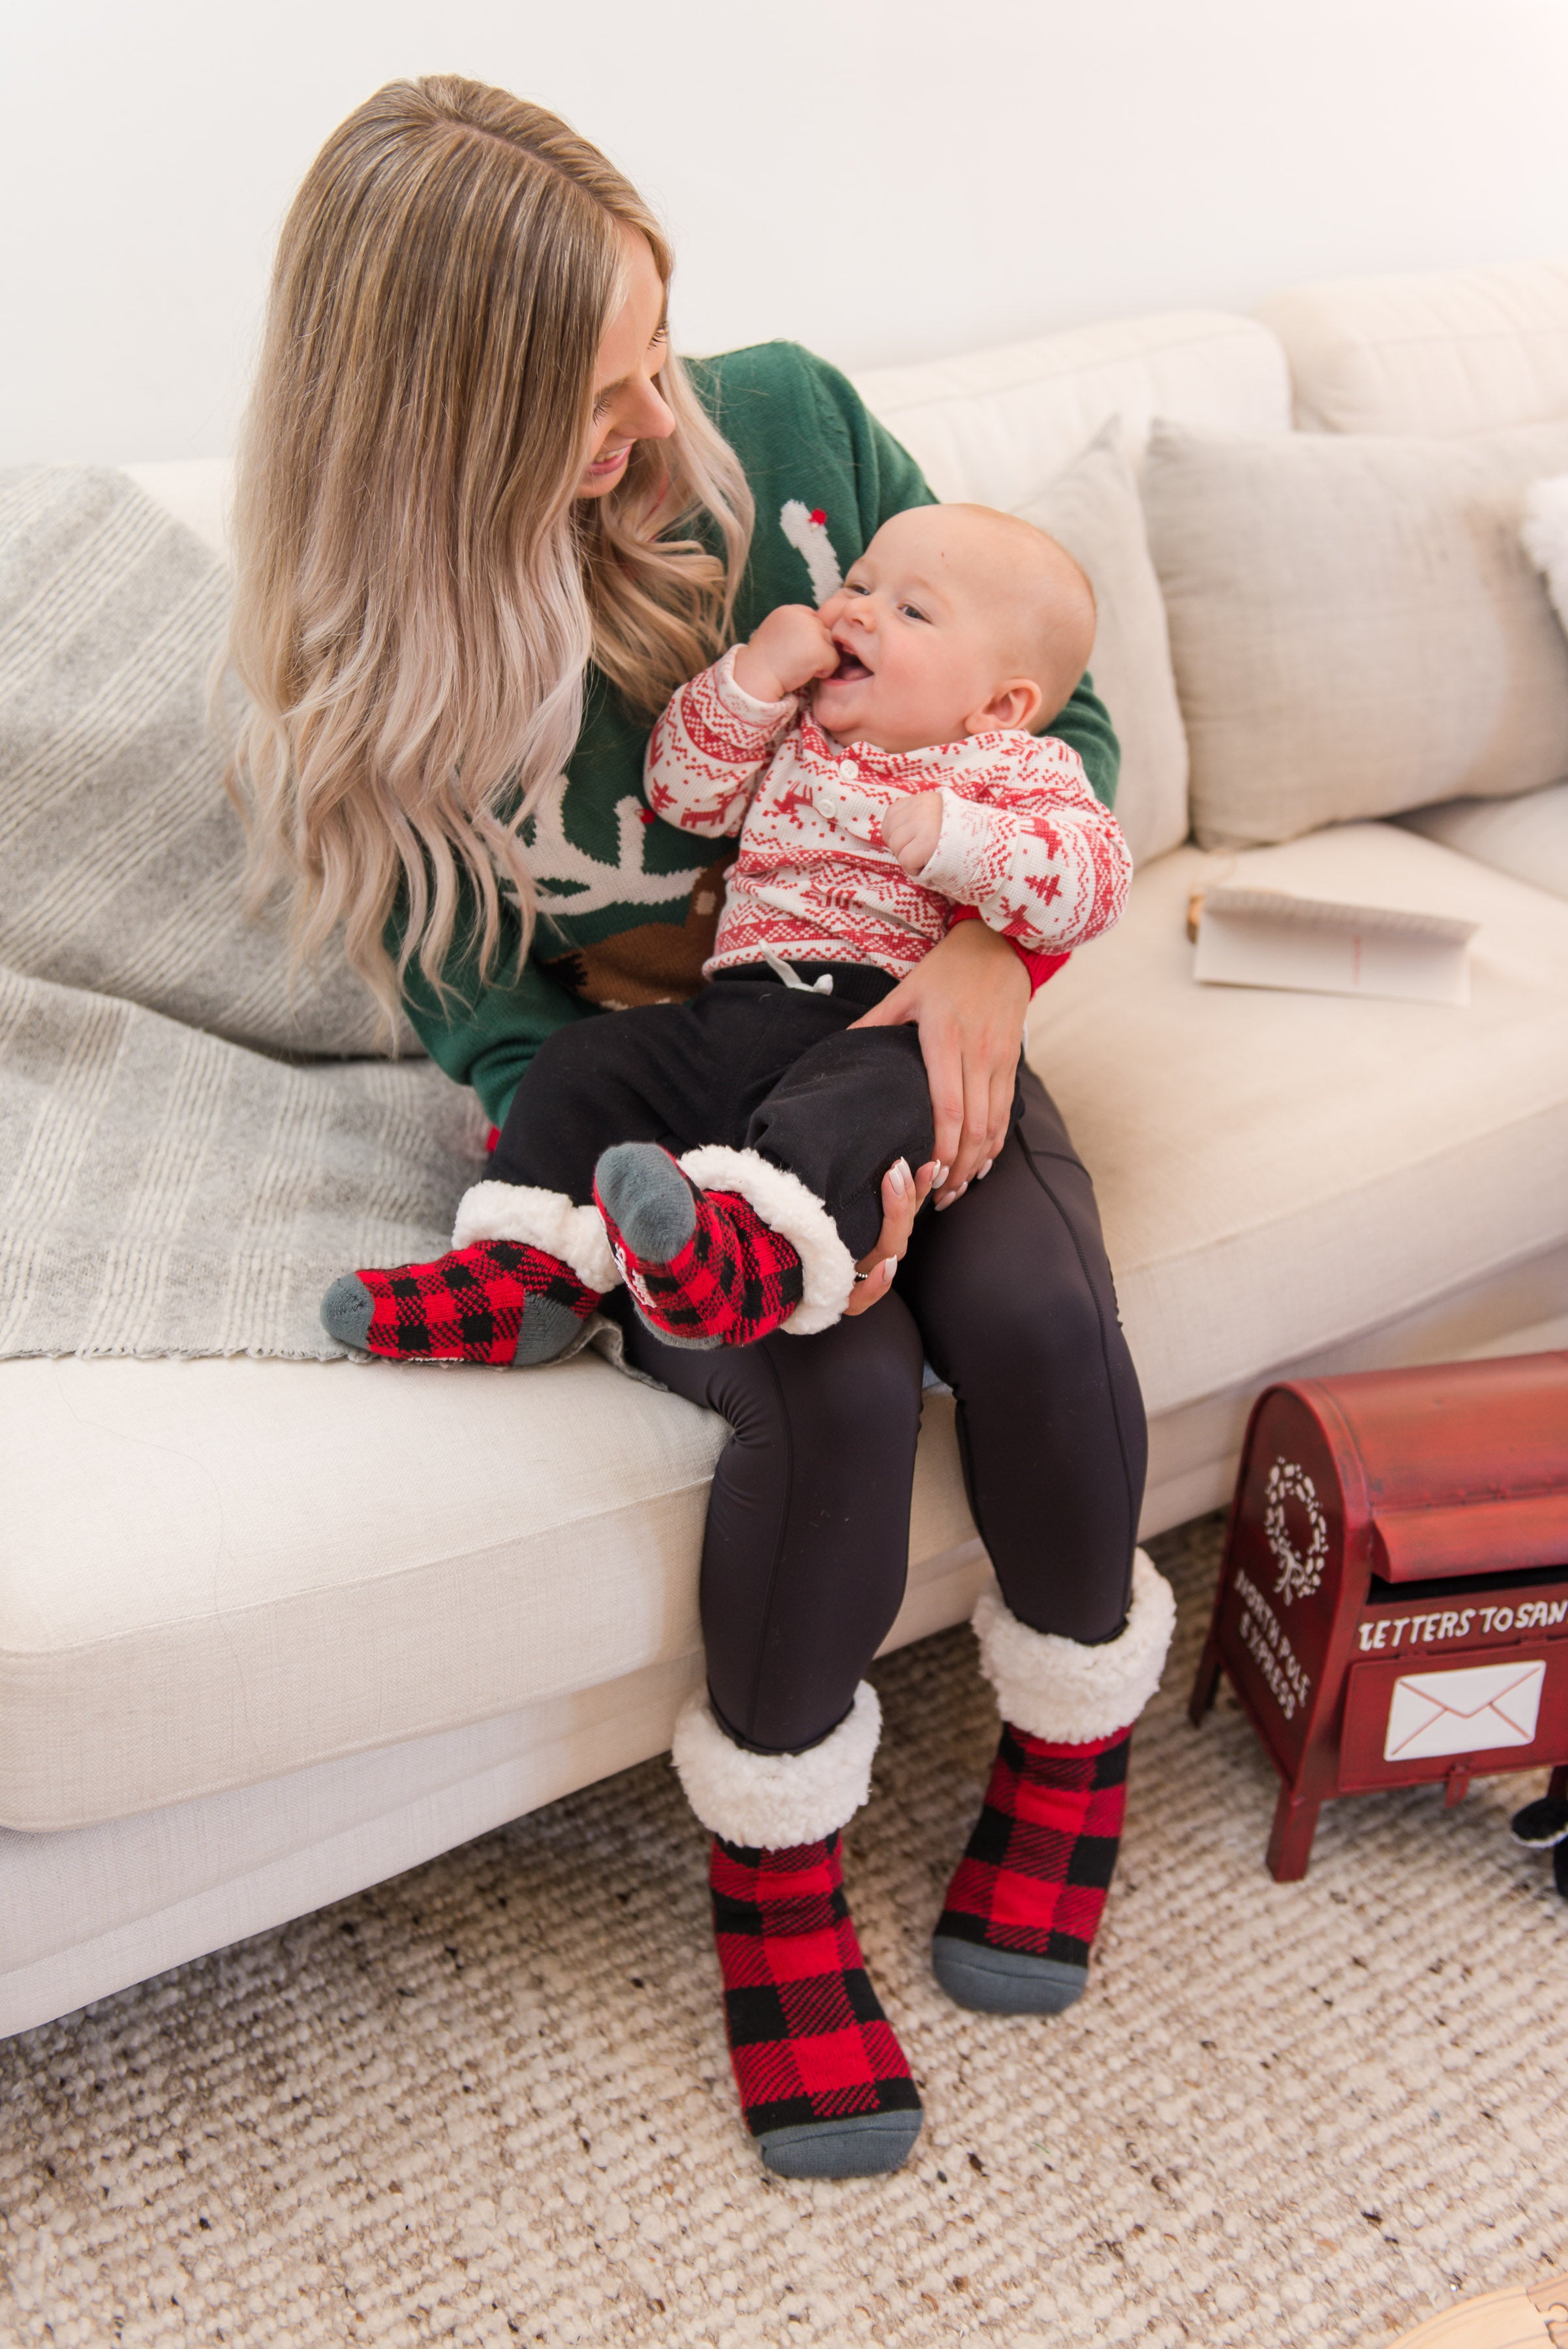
x=1266, y=937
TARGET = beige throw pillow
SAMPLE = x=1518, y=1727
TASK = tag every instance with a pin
x=1527, y=837
x=1354, y=626
x=1095, y=511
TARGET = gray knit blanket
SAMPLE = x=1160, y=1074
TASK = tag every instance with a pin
x=190, y=1148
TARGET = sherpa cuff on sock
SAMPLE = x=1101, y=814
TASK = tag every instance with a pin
x=772, y=1801
x=541, y=1219
x=1068, y=1693
x=784, y=1204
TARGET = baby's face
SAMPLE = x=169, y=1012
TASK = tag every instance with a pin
x=919, y=623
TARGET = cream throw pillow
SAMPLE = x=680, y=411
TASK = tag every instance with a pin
x=1354, y=626
x=1094, y=508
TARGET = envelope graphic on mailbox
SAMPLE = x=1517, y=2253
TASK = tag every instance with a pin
x=1467, y=1712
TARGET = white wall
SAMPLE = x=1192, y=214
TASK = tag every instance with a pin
x=882, y=178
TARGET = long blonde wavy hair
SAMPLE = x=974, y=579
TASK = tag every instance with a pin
x=419, y=592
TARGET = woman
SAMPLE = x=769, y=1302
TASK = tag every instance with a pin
x=485, y=522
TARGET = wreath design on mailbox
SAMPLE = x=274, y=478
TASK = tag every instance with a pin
x=1300, y=1572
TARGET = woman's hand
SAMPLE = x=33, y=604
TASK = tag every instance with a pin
x=903, y=1195
x=968, y=998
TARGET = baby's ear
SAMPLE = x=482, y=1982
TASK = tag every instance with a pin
x=1015, y=705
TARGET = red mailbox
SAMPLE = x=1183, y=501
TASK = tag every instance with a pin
x=1393, y=1606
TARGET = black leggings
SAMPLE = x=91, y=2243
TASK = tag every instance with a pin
x=804, y=1564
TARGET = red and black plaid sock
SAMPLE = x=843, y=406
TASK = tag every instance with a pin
x=824, y=2083
x=731, y=1281
x=1025, y=1899
x=498, y=1301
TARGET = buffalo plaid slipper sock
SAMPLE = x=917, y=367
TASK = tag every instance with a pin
x=826, y=2089
x=1025, y=1899
x=525, y=1270
x=722, y=1247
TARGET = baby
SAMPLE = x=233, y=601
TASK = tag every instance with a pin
x=876, y=761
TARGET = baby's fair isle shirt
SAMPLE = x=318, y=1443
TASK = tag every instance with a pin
x=1023, y=840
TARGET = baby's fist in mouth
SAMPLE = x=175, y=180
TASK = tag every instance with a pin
x=910, y=829
x=789, y=650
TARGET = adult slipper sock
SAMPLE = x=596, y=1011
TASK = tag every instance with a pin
x=1026, y=1899
x=497, y=1302
x=824, y=2086
x=702, y=1268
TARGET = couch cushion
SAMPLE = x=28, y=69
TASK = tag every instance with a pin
x=214, y=1572
x=997, y=425
x=1094, y=508
x=1354, y=625
x=1526, y=836
x=1452, y=350
x=1280, y=1172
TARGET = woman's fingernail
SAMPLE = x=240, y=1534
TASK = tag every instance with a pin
x=985, y=1170
x=939, y=1177
x=898, y=1175
x=889, y=1266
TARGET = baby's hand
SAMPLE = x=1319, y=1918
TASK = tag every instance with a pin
x=910, y=829
x=787, y=651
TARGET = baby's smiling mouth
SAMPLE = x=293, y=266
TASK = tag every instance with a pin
x=850, y=669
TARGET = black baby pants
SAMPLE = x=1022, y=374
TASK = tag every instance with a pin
x=1008, y=1294
x=749, y=1063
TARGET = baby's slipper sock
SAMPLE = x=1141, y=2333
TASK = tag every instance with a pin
x=826, y=2089
x=499, y=1301
x=512, y=1288
x=1026, y=1899
x=702, y=1268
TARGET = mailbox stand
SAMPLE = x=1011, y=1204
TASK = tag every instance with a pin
x=1393, y=1605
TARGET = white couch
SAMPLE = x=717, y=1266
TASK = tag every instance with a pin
x=270, y=1632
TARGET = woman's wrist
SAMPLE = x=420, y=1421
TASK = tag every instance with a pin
x=1040, y=966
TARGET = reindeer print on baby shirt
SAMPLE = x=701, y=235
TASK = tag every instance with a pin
x=1023, y=840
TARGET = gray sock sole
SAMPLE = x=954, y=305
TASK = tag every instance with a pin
x=1004, y=1981
x=862, y=2145
x=649, y=1199
x=548, y=1329
x=346, y=1311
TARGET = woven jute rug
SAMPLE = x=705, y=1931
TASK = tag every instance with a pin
x=489, y=2102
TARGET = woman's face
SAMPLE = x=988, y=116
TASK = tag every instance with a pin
x=626, y=403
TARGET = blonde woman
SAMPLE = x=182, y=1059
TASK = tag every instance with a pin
x=486, y=521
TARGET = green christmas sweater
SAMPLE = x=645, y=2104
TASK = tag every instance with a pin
x=627, y=904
